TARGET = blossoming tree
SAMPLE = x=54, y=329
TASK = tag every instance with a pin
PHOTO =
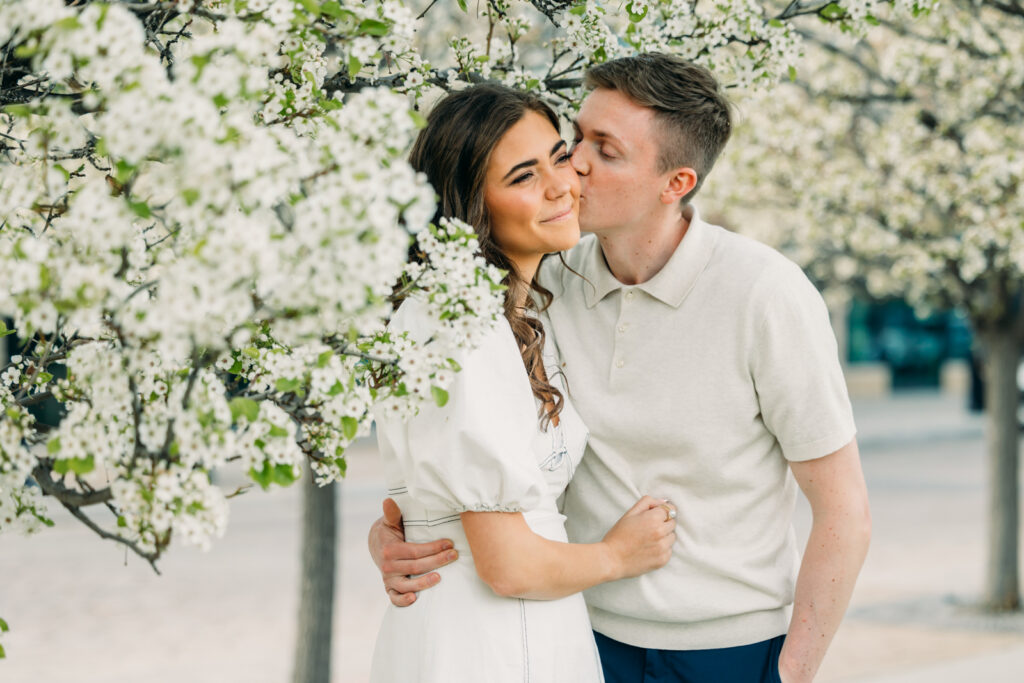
x=902, y=157
x=204, y=207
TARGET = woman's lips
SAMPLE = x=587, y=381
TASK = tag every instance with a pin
x=559, y=216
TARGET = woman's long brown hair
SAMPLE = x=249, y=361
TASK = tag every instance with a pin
x=453, y=152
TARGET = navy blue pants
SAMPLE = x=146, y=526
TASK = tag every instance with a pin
x=755, y=663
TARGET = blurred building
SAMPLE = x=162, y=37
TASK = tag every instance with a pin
x=915, y=349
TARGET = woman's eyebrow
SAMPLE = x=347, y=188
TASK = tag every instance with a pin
x=533, y=162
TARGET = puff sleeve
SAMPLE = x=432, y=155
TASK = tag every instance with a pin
x=474, y=453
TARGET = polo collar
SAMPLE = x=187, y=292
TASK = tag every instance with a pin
x=673, y=282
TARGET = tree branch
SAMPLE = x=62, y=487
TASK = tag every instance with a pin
x=68, y=497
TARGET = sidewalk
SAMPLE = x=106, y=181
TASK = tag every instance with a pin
x=912, y=618
x=81, y=611
x=914, y=417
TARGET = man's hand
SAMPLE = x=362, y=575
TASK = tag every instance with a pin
x=398, y=560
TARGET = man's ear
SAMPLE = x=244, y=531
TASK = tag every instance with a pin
x=679, y=184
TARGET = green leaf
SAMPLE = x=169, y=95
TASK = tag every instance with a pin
x=635, y=16
x=872, y=20
x=262, y=477
x=121, y=521
x=324, y=358
x=3, y=655
x=68, y=24
x=140, y=209
x=190, y=196
x=77, y=465
x=4, y=331
x=419, y=119
x=4, y=628
x=792, y=73
x=244, y=406
x=311, y=6
x=831, y=11
x=53, y=445
x=777, y=23
x=440, y=396
x=349, y=427
x=83, y=465
x=354, y=65
x=462, y=5
x=104, y=8
x=124, y=171
x=337, y=388
x=22, y=110
x=284, y=475
x=342, y=465
x=278, y=431
x=373, y=27
x=286, y=385
x=335, y=10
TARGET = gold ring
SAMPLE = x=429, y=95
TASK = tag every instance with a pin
x=670, y=514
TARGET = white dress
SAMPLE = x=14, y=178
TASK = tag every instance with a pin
x=483, y=451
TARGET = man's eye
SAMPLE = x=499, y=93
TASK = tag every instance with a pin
x=565, y=156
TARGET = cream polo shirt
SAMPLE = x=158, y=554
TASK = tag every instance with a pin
x=698, y=386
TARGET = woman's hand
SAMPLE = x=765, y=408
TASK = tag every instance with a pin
x=642, y=538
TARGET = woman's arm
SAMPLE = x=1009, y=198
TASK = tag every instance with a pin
x=516, y=562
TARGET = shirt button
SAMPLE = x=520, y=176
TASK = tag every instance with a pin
x=622, y=328
x=619, y=363
x=629, y=294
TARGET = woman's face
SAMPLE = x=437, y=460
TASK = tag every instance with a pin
x=532, y=193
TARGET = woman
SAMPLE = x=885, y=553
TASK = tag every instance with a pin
x=487, y=468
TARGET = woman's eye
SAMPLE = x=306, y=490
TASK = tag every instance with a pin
x=519, y=179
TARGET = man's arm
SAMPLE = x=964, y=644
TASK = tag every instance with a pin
x=398, y=560
x=840, y=532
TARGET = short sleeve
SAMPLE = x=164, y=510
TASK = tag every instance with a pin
x=474, y=453
x=796, y=371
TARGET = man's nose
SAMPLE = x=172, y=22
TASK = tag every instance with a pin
x=578, y=160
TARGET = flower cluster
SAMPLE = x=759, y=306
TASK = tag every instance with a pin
x=204, y=209
x=901, y=165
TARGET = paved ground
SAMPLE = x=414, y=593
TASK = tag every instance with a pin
x=80, y=611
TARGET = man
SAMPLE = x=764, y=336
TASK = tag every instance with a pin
x=704, y=365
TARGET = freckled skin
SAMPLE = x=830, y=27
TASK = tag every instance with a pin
x=617, y=174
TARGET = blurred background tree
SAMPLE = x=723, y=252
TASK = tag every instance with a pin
x=893, y=167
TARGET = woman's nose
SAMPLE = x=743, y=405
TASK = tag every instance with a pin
x=560, y=185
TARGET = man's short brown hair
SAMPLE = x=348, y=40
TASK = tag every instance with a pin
x=694, y=115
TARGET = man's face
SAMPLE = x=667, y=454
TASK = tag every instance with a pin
x=616, y=156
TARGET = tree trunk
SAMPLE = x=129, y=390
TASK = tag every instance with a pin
x=1002, y=583
x=316, y=607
